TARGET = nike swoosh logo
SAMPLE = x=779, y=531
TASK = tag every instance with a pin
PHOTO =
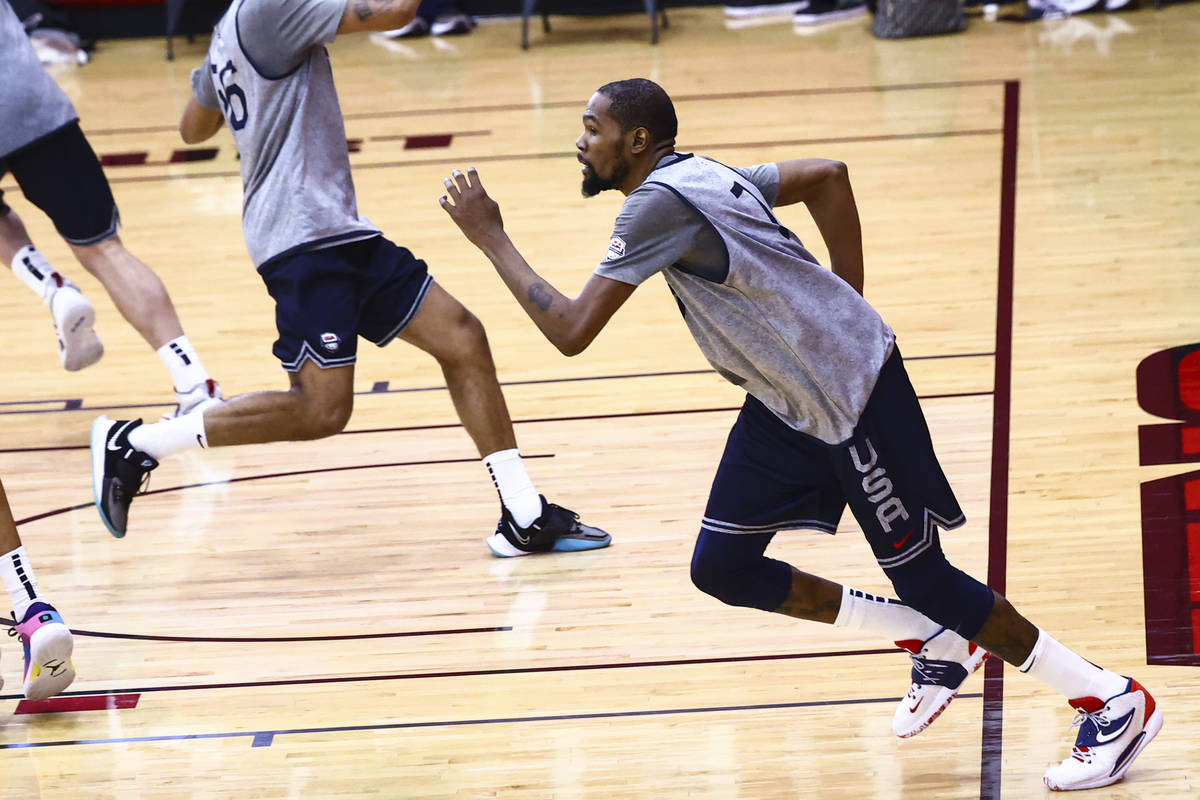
x=1114, y=730
x=913, y=710
x=517, y=534
x=899, y=544
x=113, y=437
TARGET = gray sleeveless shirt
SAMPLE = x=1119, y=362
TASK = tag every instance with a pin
x=268, y=72
x=31, y=104
x=766, y=315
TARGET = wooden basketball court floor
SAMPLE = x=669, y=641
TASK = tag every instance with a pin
x=322, y=619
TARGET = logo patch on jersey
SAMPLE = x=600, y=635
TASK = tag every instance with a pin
x=616, y=248
x=330, y=341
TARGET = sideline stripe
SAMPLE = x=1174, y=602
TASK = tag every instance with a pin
x=993, y=676
x=265, y=738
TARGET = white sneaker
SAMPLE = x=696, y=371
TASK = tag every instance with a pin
x=1111, y=734
x=48, y=644
x=200, y=397
x=941, y=664
x=78, y=344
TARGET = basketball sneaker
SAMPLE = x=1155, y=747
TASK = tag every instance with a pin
x=1111, y=734
x=78, y=344
x=941, y=664
x=557, y=530
x=200, y=397
x=48, y=644
x=118, y=470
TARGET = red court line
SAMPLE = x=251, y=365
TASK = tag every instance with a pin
x=993, y=681
x=62, y=704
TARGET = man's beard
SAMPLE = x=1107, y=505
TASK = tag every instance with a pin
x=594, y=184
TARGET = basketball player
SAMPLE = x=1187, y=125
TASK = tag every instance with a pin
x=333, y=276
x=43, y=147
x=45, y=638
x=830, y=417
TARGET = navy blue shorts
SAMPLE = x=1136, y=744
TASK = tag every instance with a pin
x=773, y=478
x=325, y=299
x=60, y=174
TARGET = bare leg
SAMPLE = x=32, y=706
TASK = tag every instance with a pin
x=318, y=405
x=812, y=598
x=13, y=236
x=455, y=337
x=1007, y=634
x=9, y=540
x=135, y=289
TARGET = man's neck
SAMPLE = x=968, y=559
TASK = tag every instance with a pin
x=638, y=176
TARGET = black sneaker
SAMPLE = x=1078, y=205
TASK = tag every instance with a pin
x=557, y=530
x=118, y=470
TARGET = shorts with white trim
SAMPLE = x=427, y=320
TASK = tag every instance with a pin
x=60, y=174
x=325, y=299
x=773, y=478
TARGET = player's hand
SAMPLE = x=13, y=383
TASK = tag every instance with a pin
x=468, y=204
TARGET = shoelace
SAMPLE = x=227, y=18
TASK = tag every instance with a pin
x=1097, y=718
x=1100, y=718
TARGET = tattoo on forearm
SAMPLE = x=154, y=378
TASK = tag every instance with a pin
x=364, y=9
x=540, y=296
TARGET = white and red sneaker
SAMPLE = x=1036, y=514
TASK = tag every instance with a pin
x=941, y=664
x=1111, y=734
x=200, y=397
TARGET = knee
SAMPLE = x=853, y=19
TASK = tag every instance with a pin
x=946, y=595
x=465, y=339
x=753, y=582
x=325, y=418
x=708, y=574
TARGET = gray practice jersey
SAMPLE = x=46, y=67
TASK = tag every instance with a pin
x=766, y=315
x=268, y=72
x=31, y=104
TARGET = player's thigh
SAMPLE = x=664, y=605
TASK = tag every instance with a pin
x=772, y=478
x=444, y=328
x=61, y=175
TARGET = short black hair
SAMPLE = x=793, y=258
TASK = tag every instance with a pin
x=641, y=103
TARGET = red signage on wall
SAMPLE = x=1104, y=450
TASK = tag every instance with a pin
x=1168, y=385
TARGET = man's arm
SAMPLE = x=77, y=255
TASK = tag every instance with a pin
x=824, y=186
x=570, y=325
x=377, y=15
x=199, y=123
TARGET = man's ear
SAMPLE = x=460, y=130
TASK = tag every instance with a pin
x=640, y=141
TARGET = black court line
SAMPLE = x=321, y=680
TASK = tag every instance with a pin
x=993, y=681
x=261, y=639
x=580, y=102
x=565, y=155
x=272, y=475
x=384, y=387
x=265, y=738
x=474, y=673
x=527, y=421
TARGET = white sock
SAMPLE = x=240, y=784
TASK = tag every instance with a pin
x=1069, y=673
x=19, y=581
x=159, y=439
x=512, y=481
x=183, y=363
x=862, y=611
x=35, y=272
